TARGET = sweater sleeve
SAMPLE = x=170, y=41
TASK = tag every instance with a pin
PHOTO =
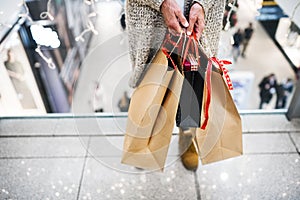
x=206, y=4
x=154, y=4
x=214, y=12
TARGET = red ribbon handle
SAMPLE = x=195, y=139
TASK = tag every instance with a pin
x=208, y=96
x=224, y=70
x=192, y=38
x=221, y=64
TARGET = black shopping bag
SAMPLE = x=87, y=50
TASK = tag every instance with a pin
x=190, y=105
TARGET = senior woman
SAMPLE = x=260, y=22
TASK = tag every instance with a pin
x=147, y=22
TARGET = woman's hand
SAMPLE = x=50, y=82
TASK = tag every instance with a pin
x=196, y=20
x=173, y=16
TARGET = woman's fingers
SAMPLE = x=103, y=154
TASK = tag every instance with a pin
x=173, y=16
x=196, y=20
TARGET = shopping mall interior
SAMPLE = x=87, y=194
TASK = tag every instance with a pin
x=65, y=67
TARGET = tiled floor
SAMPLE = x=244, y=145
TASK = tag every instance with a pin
x=62, y=163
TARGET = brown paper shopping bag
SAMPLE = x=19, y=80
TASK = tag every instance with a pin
x=151, y=115
x=222, y=137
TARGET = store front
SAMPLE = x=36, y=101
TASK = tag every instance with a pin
x=41, y=53
x=18, y=88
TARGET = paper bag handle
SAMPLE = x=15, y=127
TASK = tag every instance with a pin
x=192, y=38
x=164, y=50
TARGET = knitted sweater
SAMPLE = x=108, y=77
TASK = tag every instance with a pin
x=146, y=31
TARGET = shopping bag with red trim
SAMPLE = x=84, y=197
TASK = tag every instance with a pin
x=220, y=135
x=152, y=111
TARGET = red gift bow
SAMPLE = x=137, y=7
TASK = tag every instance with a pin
x=224, y=71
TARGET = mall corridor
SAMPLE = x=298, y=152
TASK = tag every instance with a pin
x=108, y=61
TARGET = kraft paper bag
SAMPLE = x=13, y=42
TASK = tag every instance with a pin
x=222, y=138
x=151, y=116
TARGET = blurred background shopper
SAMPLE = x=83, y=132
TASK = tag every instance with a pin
x=267, y=87
x=98, y=98
x=123, y=103
x=248, y=32
x=236, y=46
x=17, y=76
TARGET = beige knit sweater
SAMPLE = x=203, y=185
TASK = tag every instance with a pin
x=146, y=31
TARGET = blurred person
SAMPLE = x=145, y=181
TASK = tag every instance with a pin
x=123, y=25
x=16, y=73
x=98, y=100
x=124, y=102
x=147, y=22
x=248, y=32
x=283, y=91
x=231, y=7
x=232, y=20
x=267, y=89
x=298, y=73
x=289, y=85
x=237, y=41
x=123, y=21
x=280, y=96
